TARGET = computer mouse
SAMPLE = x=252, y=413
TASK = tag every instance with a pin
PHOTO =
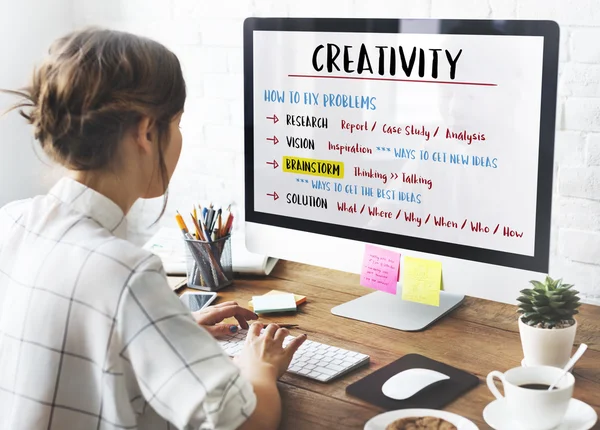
x=409, y=382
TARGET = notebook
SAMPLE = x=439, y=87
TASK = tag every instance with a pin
x=435, y=396
x=299, y=299
x=273, y=303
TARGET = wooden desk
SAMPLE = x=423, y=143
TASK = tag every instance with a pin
x=479, y=337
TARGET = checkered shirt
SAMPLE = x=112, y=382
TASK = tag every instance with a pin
x=91, y=335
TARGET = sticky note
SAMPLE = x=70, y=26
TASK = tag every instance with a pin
x=270, y=303
x=299, y=299
x=380, y=269
x=422, y=281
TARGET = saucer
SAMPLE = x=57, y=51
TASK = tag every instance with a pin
x=579, y=416
x=381, y=421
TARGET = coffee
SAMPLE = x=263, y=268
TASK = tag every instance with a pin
x=536, y=387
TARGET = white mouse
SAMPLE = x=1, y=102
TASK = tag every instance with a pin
x=409, y=382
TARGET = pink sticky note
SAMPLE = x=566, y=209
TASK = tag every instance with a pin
x=380, y=269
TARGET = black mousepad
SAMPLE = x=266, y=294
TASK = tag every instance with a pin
x=435, y=396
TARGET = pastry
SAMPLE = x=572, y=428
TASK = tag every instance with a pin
x=421, y=423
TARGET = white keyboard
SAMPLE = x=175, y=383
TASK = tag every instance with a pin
x=313, y=359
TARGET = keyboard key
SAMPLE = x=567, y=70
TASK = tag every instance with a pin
x=326, y=371
x=334, y=367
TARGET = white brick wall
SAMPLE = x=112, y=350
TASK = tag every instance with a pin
x=207, y=36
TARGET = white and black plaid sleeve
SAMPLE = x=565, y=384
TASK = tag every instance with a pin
x=181, y=371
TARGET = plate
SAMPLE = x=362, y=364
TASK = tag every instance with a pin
x=381, y=421
x=579, y=416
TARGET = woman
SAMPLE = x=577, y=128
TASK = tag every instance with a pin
x=91, y=336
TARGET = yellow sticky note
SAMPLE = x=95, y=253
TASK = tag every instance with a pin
x=422, y=281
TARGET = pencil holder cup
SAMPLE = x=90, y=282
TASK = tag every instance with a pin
x=209, y=265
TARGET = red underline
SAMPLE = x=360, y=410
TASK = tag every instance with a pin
x=420, y=81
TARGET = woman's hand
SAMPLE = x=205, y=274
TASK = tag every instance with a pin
x=266, y=351
x=210, y=318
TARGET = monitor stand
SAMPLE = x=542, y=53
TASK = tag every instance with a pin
x=391, y=311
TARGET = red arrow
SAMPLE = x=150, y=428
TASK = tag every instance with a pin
x=274, y=195
x=274, y=139
x=274, y=163
x=274, y=118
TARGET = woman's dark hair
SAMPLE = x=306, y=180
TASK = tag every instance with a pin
x=95, y=85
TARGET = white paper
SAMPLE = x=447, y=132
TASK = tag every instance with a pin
x=168, y=244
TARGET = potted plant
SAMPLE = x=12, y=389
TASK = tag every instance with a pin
x=547, y=324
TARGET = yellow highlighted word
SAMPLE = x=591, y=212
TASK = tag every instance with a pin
x=308, y=166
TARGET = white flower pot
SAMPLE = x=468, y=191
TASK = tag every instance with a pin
x=547, y=347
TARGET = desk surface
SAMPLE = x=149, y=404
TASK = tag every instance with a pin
x=479, y=337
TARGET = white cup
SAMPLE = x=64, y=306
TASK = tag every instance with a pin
x=529, y=408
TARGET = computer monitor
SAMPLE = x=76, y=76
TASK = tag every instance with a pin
x=430, y=137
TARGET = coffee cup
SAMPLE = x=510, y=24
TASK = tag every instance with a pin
x=529, y=403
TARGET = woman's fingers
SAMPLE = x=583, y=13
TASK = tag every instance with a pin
x=271, y=330
x=221, y=330
x=241, y=314
x=254, y=331
x=280, y=335
x=294, y=344
x=229, y=303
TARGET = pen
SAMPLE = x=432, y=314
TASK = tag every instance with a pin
x=218, y=222
x=210, y=219
x=281, y=325
x=287, y=325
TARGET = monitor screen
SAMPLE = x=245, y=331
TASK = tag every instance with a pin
x=431, y=135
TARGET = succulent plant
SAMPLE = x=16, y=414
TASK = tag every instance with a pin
x=551, y=304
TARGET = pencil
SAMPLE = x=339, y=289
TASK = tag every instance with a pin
x=199, y=234
x=182, y=225
x=219, y=224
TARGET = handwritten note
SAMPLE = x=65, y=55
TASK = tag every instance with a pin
x=422, y=281
x=380, y=269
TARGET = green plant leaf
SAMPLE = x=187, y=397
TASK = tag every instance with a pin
x=525, y=300
x=527, y=291
x=538, y=285
x=542, y=309
x=557, y=305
